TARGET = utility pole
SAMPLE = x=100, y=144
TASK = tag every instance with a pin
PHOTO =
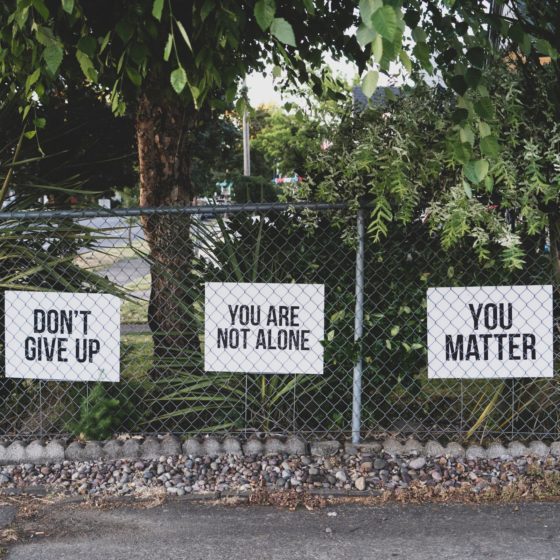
x=246, y=137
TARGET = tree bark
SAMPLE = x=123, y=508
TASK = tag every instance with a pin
x=163, y=128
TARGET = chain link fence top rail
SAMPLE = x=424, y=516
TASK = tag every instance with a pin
x=156, y=262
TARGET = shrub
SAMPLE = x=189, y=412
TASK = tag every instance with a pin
x=107, y=409
x=253, y=189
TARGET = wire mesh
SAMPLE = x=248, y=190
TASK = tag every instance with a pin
x=157, y=262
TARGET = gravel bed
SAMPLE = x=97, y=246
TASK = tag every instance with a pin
x=180, y=475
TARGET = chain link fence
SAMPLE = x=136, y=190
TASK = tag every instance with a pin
x=156, y=263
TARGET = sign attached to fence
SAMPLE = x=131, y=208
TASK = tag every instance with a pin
x=62, y=336
x=264, y=328
x=490, y=332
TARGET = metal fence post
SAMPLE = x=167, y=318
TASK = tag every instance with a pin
x=358, y=328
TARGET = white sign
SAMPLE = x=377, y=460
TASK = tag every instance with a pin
x=264, y=328
x=62, y=336
x=490, y=332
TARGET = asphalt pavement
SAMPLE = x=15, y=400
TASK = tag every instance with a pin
x=185, y=530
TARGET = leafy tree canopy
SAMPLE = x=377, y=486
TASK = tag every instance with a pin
x=406, y=159
x=200, y=50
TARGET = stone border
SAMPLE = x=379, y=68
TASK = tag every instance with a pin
x=150, y=448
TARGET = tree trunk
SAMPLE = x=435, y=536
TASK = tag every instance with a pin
x=163, y=128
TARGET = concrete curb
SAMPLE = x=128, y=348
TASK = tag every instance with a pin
x=55, y=451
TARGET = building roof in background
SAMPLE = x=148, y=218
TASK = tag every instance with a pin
x=377, y=99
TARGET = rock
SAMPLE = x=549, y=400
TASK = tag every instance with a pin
x=412, y=446
x=539, y=449
x=434, y=449
x=170, y=445
x=392, y=446
x=516, y=449
x=555, y=448
x=253, y=446
x=436, y=475
x=341, y=475
x=212, y=447
x=273, y=446
x=370, y=447
x=131, y=449
x=366, y=466
x=475, y=452
x=417, y=463
x=360, y=483
x=112, y=449
x=192, y=447
x=35, y=452
x=379, y=464
x=231, y=446
x=150, y=448
x=454, y=450
x=495, y=451
x=295, y=445
x=325, y=448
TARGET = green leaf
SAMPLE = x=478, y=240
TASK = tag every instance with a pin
x=309, y=6
x=86, y=65
x=53, y=57
x=395, y=330
x=31, y=79
x=385, y=22
x=365, y=35
x=405, y=60
x=134, y=76
x=422, y=54
x=377, y=48
x=264, y=13
x=475, y=171
x=87, y=44
x=490, y=146
x=105, y=42
x=179, y=79
x=40, y=7
x=475, y=56
x=544, y=47
x=389, y=95
x=484, y=129
x=168, y=47
x=124, y=30
x=462, y=152
x=459, y=115
x=467, y=189
x=419, y=35
x=207, y=7
x=283, y=31
x=466, y=135
x=157, y=9
x=367, y=9
x=40, y=122
x=484, y=108
x=458, y=84
x=369, y=83
x=276, y=71
x=183, y=32
x=68, y=6
x=473, y=77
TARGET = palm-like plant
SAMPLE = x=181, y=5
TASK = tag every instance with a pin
x=262, y=247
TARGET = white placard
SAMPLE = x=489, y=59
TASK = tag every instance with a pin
x=264, y=328
x=490, y=332
x=62, y=336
